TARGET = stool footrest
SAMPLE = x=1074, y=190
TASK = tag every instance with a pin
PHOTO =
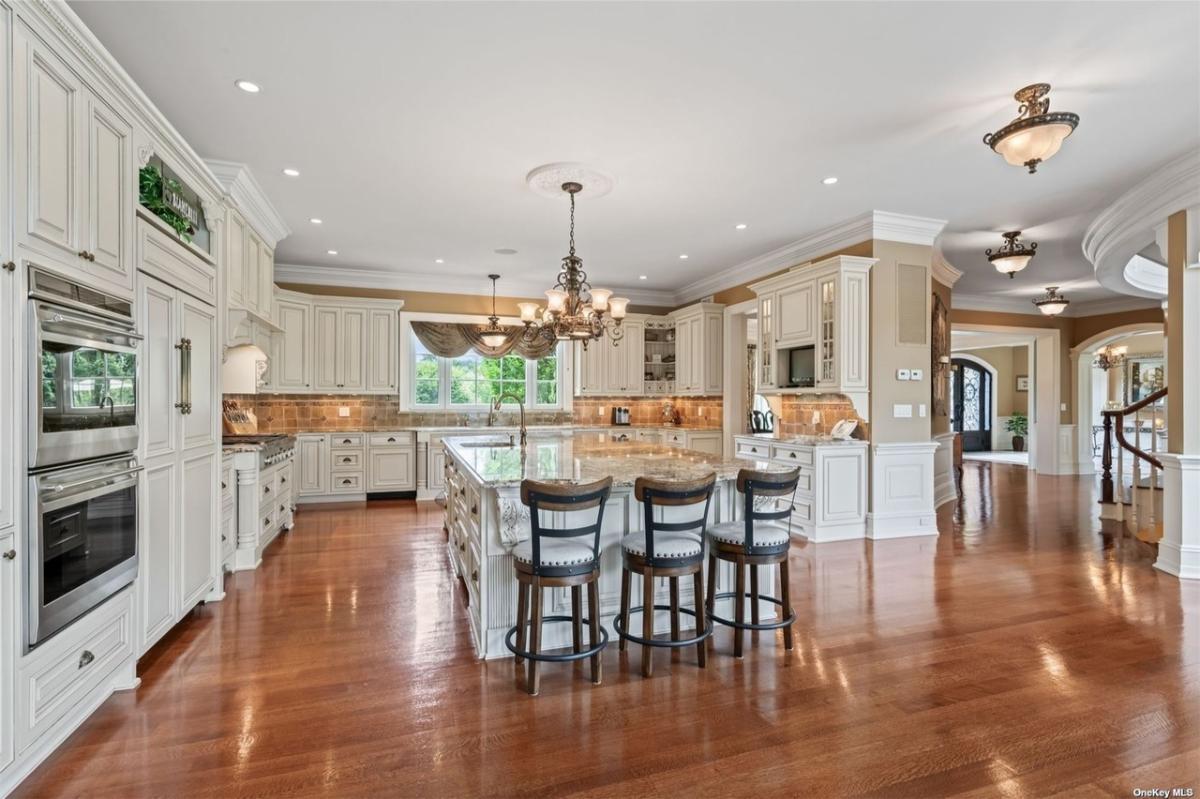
x=586, y=653
x=772, y=625
x=618, y=625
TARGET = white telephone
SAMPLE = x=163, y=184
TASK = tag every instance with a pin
x=843, y=429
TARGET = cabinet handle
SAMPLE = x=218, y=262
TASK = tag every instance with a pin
x=391, y=440
x=475, y=576
x=282, y=480
x=266, y=489
x=223, y=486
x=10, y=554
x=346, y=441
x=346, y=482
x=281, y=509
x=347, y=459
x=474, y=509
x=82, y=254
x=185, y=376
x=9, y=266
x=86, y=658
x=792, y=455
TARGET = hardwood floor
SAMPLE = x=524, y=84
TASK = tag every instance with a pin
x=1026, y=651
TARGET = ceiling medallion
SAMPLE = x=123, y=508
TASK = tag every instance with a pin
x=1013, y=255
x=1037, y=133
x=1110, y=357
x=574, y=310
x=1052, y=303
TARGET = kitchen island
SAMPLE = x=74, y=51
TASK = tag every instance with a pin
x=485, y=519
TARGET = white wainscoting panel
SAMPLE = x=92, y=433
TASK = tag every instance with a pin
x=1179, y=549
x=902, y=490
x=945, y=486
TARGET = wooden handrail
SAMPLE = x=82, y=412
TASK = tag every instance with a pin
x=1106, y=483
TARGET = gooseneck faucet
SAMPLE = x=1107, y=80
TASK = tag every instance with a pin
x=520, y=403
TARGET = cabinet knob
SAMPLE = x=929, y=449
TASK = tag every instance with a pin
x=10, y=554
x=266, y=489
x=86, y=658
x=475, y=576
x=9, y=266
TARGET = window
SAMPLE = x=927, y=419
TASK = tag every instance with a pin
x=95, y=377
x=473, y=381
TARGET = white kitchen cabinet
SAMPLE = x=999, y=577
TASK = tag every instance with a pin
x=266, y=281
x=251, y=262
x=292, y=349
x=708, y=441
x=606, y=371
x=75, y=156
x=699, y=336
x=178, y=523
x=382, y=354
x=796, y=325
x=590, y=368
x=339, y=348
x=235, y=259
x=312, y=454
x=391, y=468
x=8, y=645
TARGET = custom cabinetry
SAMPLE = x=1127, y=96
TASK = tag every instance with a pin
x=831, y=497
x=342, y=466
x=340, y=355
x=825, y=305
x=178, y=523
x=291, y=349
x=312, y=456
x=391, y=461
x=228, y=511
x=708, y=441
x=604, y=370
x=75, y=161
x=698, y=349
x=8, y=644
x=250, y=268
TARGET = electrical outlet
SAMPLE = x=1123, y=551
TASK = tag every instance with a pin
x=902, y=374
x=343, y=411
x=916, y=374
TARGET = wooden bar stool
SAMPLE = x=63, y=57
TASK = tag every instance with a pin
x=558, y=558
x=666, y=549
x=759, y=538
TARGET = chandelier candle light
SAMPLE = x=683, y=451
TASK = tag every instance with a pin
x=1013, y=255
x=574, y=310
x=1037, y=133
x=1110, y=357
x=1052, y=303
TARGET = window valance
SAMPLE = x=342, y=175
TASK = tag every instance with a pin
x=451, y=340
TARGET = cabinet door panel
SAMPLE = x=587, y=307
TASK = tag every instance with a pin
x=313, y=469
x=325, y=348
x=199, y=325
x=250, y=265
x=158, y=311
x=157, y=576
x=713, y=379
x=8, y=600
x=236, y=264
x=266, y=281
x=796, y=319
x=381, y=352
x=353, y=349
x=110, y=192
x=52, y=98
x=198, y=527
x=591, y=364
x=291, y=356
x=391, y=470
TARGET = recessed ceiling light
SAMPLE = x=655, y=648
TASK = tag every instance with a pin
x=316, y=221
x=291, y=173
x=829, y=181
x=505, y=251
x=248, y=86
x=740, y=226
x=641, y=277
x=438, y=261
x=683, y=257
x=332, y=252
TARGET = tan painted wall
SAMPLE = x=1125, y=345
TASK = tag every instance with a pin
x=939, y=424
x=1176, y=262
x=888, y=355
x=1087, y=326
x=1008, y=363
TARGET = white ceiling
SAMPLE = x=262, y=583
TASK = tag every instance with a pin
x=413, y=125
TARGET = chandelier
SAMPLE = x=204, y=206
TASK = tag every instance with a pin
x=1037, y=133
x=493, y=334
x=574, y=310
x=1109, y=357
x=1052, y=303
x=1013, y=255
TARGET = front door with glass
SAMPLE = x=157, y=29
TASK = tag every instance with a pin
x=971, y=411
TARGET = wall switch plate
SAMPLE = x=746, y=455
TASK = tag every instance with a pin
x=1062, y=406
x=343, y=411
x=902, y=374
x=902, y=411
x=916, y=374
x=921, y=410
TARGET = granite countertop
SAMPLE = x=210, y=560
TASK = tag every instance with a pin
x=585, y=457
x=806, y=440
x=475, y=430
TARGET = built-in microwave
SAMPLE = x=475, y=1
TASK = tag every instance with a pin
x=802, y=367
x=83, y=373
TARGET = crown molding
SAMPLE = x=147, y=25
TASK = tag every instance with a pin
x=1125, y=227
x=883, y=225
x=63, y=23
x=439, y=284
x=943, y=271
x=1002, y=304
x=250, y=199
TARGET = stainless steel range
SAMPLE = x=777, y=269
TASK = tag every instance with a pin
x=272, y=449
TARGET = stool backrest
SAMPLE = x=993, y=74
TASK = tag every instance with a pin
x=569, y=498
x=660, y=493
x=753, y=484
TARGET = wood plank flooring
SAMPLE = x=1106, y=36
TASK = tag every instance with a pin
x=1029, y=650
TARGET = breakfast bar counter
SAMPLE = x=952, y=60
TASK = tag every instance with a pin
x=485, y=519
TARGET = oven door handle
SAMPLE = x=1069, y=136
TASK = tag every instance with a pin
x=50, y=315
x=73, y=498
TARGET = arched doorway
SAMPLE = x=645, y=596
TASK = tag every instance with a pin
x=971, y=404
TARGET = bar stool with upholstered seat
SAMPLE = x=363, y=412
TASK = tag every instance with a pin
x=760, y=538
x=666, y=549
x=558, y=558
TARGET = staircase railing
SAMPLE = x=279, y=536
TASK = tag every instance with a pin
x=1141, y=500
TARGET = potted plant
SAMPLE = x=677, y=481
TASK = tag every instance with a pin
x=1018, y=425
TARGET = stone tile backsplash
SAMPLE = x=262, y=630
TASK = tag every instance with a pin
x=694, y=411
x=794, y=414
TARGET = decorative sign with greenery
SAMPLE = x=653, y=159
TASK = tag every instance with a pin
x=165, y=196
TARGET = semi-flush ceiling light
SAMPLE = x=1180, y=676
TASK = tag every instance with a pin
x=1037, y=133
x=683, y=257
x=248, y=86
x=291, y=173
x=493, y=335
x=642, y=277
x=332, y=252
x=438, y=261
x=1013, y=255
x=740, y=226
x=1052, y=303
x=829, y=181
x=316, y=221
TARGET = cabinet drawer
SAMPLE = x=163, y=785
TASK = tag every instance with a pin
x=346, y=483
x=805, y=484
x=337, y=440
x=65, y=669
x=792, y=454
x=268, y=488
x=266, y=517
x=391, y=439
x=752, y=450
x=284, y=484
x=347, y=459
x=675, y=439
